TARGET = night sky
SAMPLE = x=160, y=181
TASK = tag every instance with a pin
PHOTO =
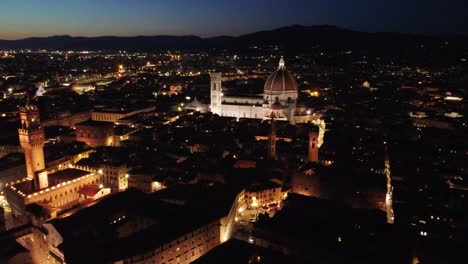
x=27, y=18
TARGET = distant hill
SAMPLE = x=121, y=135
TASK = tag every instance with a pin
x=103, y=43
x=294, y=38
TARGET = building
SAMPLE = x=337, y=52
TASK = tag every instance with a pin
x=67, y=119
x=324, y=231
x=114, y=114
x=236, y=251
x=62, y=193
x=144, y=180
x=95, y=133
x=133, y=227
x=8, y=149
x=31, y=137
x=272, y=141
x=314, y=145
x=198, y=106
x=263, y=194
x=306, y=181
x=279, y=100
x=92, y=192
x=12, y=168
x=115, y=176
x=54, y=192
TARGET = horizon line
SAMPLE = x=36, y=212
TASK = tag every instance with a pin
x=238, y=35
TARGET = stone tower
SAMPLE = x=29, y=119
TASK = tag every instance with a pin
x=313, y=146
x=216, y=93
x=272, y=141
x=31, y=137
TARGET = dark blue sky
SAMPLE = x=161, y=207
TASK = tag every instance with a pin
x=25, y=18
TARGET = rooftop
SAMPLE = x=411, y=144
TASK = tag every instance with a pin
x=236, y=251
x=95, y=123
x=266, y=185
x=27, y=186
x=66, y=175
x=89, y=190
x=93, y=232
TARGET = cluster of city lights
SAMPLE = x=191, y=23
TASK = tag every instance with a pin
x=21, y=193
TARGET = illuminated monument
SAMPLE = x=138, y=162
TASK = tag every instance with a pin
x=52, y=190
x=31, y=137
x=278, y=100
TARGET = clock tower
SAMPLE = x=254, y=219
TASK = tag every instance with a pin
x=31, y=137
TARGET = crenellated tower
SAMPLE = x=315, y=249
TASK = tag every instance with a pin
x=314, y=144
x=31, y=137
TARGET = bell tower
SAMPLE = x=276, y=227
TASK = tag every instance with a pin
x=31, y=137
x=216, y=93
x=272, y=141
x=313, y=146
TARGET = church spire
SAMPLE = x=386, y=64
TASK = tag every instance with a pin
x=272, y=140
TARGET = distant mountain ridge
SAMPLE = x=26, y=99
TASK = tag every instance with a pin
x=294, y=38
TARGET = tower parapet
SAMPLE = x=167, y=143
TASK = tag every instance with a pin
x=31, y=137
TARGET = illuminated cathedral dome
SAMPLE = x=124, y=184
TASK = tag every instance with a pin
x=280, y=81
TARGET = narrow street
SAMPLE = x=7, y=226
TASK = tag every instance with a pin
x=389, y=195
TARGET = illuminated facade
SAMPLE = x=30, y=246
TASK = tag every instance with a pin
x=54, y=190
x=159, y=230
x=264, y=194
x=115, y=177
x=184, y=249
x=31, y=137
x=279, y=99
x=95, y=133
x=112, y=115
x=62, y=194
x=144, y=182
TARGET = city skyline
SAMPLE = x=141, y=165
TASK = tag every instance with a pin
x=235, y=132
x=23, y=19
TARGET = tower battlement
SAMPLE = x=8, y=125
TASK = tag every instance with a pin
x=31, y=137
